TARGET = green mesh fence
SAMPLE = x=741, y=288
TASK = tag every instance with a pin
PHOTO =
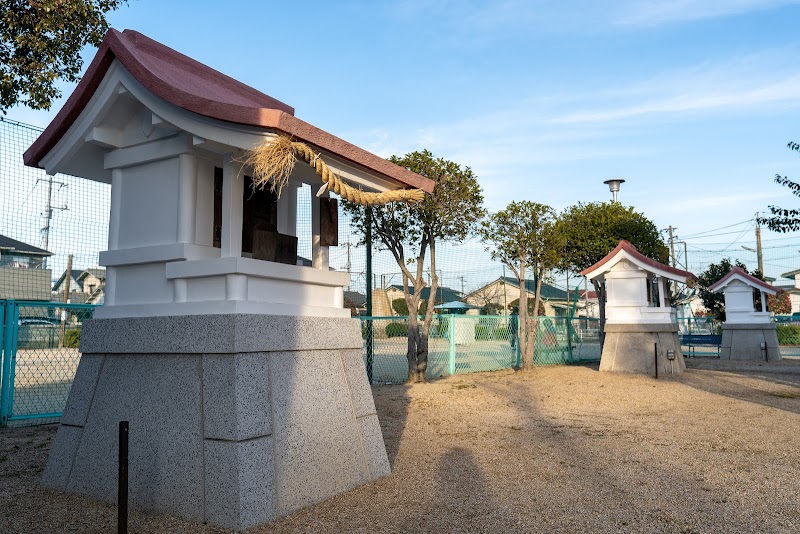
x=474, y=343
x=39, y=359
x=702, y=336
x=788, y=327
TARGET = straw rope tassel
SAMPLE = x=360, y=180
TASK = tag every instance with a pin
x=272, y=167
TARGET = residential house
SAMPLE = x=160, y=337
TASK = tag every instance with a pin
x=588, y=303
x=499, y=294
x=85, y=286
x=22, y=276
x=443, y=294
x=794, y=292
x=356, y=301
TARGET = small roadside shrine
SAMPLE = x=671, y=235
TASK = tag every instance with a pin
x=237, y=367
x=747, y=333
x=641, y=329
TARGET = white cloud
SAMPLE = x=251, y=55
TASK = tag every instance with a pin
x=658, y=12
x=694, y=100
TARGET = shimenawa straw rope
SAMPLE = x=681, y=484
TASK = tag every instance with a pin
x=273, y=161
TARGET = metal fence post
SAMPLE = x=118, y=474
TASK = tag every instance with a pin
x=451, y=331
x=6, y=380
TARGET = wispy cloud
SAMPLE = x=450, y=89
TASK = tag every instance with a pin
x=699, y=99
x=659, y=12
x=754, y=82
x=486, y=20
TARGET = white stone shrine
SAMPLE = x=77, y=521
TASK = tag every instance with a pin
x=639, y=317
x=747, y=333
x=239, y=370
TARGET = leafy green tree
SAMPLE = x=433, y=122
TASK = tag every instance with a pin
x=400, y=307
x=40, y=43
x=713, y=301
x=593, y=230
x=410, y=233
x=492, y=308
x=514, y=304
x=524, y=237
x=784, y=220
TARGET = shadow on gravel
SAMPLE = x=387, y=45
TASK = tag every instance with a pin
x=391, y=403
x=460, y=488
x=773, y=390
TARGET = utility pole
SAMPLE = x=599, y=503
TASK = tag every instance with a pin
x=48, y=215
x=672, y=244
x=759, y=252
x=67, y=277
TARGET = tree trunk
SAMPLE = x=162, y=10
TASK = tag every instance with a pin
x=524, y=331
x=422, y=354
x=414, y=342
x=535, y=321
x=422, y=348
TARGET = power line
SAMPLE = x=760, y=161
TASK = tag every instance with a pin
x=715, y=229
x=713, y=235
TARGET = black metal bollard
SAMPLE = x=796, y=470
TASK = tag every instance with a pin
x=655, y=350
x=122, y=481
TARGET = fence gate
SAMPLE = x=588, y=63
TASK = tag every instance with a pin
x=39, y=358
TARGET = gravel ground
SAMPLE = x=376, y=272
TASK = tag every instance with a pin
x=560, y=449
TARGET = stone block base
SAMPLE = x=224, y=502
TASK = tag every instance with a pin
x=743, y=342
x=630, y=348
x=235, y=427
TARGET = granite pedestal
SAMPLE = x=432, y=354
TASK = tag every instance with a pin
x=235, y=420
x=629, y=348
x=743, y=342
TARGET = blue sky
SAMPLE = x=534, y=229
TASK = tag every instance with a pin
x=692, y=102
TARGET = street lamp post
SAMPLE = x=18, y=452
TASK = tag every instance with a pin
x=613, y=186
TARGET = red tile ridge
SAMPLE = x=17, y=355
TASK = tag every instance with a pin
x=744, y=274
x=195, y=87
x=630, y=249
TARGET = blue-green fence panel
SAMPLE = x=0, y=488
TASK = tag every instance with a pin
x=470, y=343
x=788, y=327
x=702, y=336
x=40, y=357
x=484, y=343
x=585, y=338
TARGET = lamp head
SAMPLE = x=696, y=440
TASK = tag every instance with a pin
x=613, y=184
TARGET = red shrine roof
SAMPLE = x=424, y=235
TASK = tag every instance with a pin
x=625, y=248
x=738, y=272
x=195, y=87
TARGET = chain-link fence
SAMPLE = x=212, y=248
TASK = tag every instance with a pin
x=788, y=327
x=39, y=358
x=52, y=228
x=473, y=343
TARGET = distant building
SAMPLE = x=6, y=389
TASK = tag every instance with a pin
x=500, y=293
x=356, y=301
x=22, y=276
x=85, y=286
x=443, y=294
x=794, y=292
